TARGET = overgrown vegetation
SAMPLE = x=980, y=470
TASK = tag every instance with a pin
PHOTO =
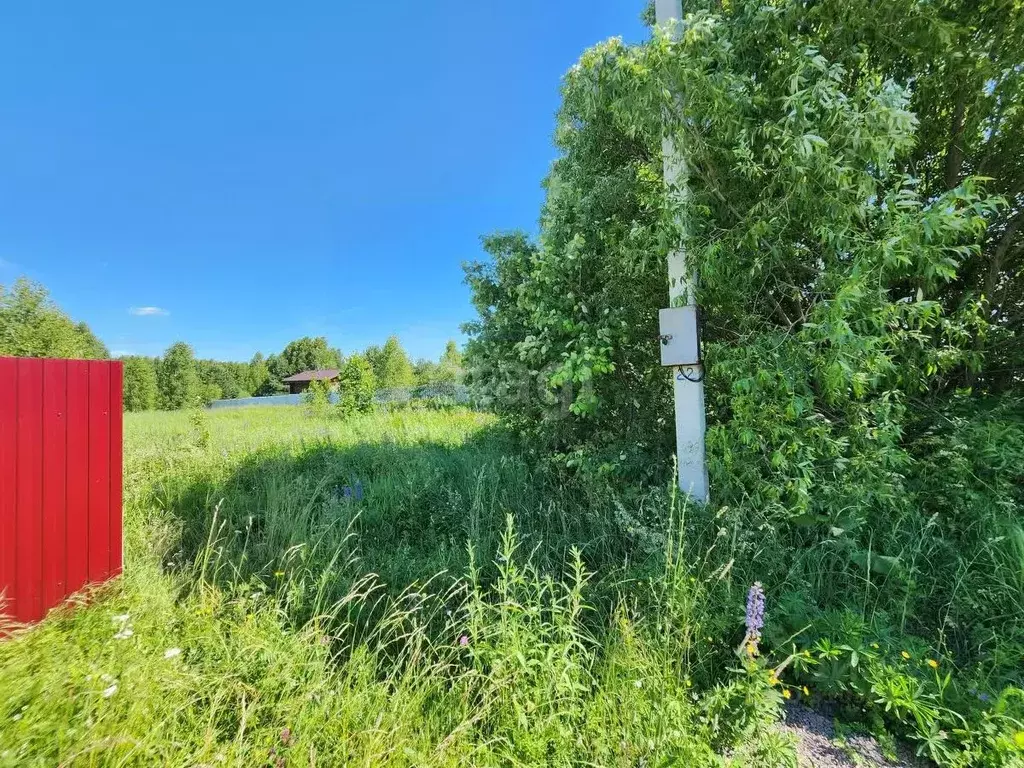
x=31, y=325
x=299, y=587
x=860, y=317
x=299, y=591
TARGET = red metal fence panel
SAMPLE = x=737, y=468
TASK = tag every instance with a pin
x=60, y=480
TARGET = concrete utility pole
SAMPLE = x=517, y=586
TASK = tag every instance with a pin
x=680, y=326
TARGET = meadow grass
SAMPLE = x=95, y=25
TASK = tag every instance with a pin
x=468, y=609
x=407, y=587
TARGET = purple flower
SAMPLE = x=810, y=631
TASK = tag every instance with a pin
x=286, y=736
x=464, y=641
x=755, y=612
x=358, y=491
x=346, y=491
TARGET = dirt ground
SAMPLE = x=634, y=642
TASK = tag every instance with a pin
x=818, y=745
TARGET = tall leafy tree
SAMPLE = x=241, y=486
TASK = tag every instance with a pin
x=258, y=377
x=391, y=365
x=825, y=272
x=178, y=378
x=424, y=371
x=31, y=325
x=221, y=379
x=140, y=385
x=449, y=368
x=305, y=354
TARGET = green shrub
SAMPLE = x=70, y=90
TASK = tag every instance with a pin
x=356, y=385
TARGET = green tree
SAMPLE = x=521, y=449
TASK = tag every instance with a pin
x=391, y=365
x=824, y=271
x=140, y=387
x=306, y=354
x=31, y=325
x=356, y=385
x=91, y=345
x=317, y=397
x=424, y=371
x=258, y=381
x=178, y=379
x=449, y=369
x=220, y=378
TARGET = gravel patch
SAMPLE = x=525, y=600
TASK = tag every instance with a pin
x=818, y=747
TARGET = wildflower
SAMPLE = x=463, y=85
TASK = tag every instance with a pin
x=786, y=694
x=286, y=736
x=121, y=618
x=754, y=618
x=464, y=641
x=346, y=491
x=773, y=679
x=108, y=692
x=755, y=612
x=638, y=683
x=904, y=654
x=171, y=653
x=358, y=491
x=279, y=574
x=124, y=633
x=933, y=663
x=806, y=691
x=984, y=697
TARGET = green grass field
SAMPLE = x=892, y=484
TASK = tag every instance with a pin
x=468, y=609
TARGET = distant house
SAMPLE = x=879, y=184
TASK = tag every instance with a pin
x=300, y=381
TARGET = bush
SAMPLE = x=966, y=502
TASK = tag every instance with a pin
x=356, y=385
x=318, y=397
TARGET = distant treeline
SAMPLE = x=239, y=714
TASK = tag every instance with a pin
x=32, y=325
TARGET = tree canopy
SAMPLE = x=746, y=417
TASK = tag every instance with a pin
x=141, y=391
x=178, y=378
x=391, y=365
x=31, y=325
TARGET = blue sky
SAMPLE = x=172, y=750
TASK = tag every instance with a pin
x=257, y=171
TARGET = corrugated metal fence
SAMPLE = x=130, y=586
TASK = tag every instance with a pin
x=60, y=480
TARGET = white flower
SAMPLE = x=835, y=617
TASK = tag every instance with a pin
x=170, y=653
x=108, y=692
x=120, y=618
x=638, y=683
x=124, y=634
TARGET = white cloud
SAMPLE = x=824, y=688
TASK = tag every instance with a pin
x=147, y=311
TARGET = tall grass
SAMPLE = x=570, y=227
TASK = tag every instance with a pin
x=467, y=610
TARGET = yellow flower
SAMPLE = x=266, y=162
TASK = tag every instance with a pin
x=806, y=692
x=933, y=663
x=904, y=654
x=785, y=693
x=773, y=679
